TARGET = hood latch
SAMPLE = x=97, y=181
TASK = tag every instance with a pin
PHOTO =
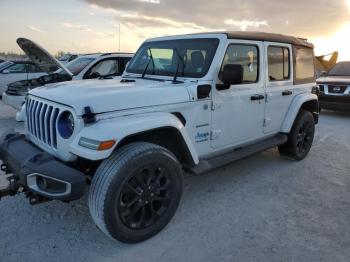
x=88, y=116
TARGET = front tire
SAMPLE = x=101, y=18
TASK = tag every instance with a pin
x=300, y=138
x=135, y=193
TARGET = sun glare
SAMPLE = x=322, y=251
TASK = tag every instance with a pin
x=339, y=41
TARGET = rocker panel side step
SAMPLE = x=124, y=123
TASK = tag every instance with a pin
x=206, y=165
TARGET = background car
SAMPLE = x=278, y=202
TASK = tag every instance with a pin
x=66, y=58
x=5, y=64
x=19, y=70
x=82, y=68
x=335, y=88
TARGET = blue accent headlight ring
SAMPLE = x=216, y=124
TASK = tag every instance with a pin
x=65, y=124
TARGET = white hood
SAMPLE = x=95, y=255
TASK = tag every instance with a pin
x=113, y=95
x=41, y=57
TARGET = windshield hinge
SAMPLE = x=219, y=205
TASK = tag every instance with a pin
x=215, y=106
x=88, y=116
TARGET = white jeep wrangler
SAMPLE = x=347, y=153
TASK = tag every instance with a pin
x=192, y=102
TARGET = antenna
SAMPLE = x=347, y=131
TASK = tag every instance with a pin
x=119, y=37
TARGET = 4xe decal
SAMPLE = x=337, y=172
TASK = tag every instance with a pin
x=202, y=137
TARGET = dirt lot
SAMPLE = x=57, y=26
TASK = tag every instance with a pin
x=263, y=208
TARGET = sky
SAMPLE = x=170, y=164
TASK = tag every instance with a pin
x=87, y=26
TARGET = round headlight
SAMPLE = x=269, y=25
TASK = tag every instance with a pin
x=65, y=124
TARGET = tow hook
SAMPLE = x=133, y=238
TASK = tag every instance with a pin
x=35, y=199
x=4, y=168
x=10, y=187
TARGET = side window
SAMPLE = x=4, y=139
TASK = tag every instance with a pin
x=278, y=63
x=105, y=68
x=72, y=58
x=123, y=61
x=17, y=69
x=33, y=69
x=248, y=57
x=162, y=58
x=304, y=65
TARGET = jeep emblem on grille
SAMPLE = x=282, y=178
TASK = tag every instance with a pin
x=336, y=89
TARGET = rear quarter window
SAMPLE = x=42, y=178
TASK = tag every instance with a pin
x=304, y=66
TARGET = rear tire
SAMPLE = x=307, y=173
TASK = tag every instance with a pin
x=135, y=193
x=300, y=138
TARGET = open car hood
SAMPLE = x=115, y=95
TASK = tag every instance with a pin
x=326, y=62
x=41, y=57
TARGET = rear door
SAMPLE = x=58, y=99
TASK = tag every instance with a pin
x=279, y=85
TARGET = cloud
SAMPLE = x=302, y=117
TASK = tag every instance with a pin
x=313, y=17
x=34, y=29
x=244, y=24
x=150, y=1
x=76, y=26
x=153, y=21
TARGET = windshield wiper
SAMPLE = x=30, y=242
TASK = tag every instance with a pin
x=149, y=61
x=181, y=60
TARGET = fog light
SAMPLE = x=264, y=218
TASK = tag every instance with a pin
x=95, y=144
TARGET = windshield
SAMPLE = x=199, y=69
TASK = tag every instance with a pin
x=3, y=65
x=64, y=57
x=340, y=69
x=186, y=57
x=77, y=65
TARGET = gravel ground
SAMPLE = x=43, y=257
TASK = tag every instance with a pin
x=263, y=208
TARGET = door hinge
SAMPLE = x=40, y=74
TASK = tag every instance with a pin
x=267, y=122
x=215, y=106
x=215, y=134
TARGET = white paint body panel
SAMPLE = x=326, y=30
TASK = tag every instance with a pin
x=294, y=108
x=224, y=121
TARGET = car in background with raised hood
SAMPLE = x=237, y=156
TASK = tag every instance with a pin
x=92, y=66
x=19, y=70
x=334, y=88
x=66, y=58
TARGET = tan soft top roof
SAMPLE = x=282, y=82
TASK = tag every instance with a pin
x=270, y=37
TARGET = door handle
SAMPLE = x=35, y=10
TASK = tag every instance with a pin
x=287, y=93
x=257, y=97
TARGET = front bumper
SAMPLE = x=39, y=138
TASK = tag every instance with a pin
x=36, y=172
x=334, y=102
x=13, y=101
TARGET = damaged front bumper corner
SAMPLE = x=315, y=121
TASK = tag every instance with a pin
x=37, y=173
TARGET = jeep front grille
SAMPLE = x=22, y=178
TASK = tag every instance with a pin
x=41, y=121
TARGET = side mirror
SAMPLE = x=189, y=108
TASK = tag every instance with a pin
x=94, y=75
x=324, y=73
x=232, y=74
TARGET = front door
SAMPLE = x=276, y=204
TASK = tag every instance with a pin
x=238, y=111
x=279, y=85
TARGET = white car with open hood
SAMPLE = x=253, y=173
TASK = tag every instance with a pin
x=16, y=71
x=82, y=68
x=190, y=102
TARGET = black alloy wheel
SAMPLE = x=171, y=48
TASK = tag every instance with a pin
x=145, y=197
